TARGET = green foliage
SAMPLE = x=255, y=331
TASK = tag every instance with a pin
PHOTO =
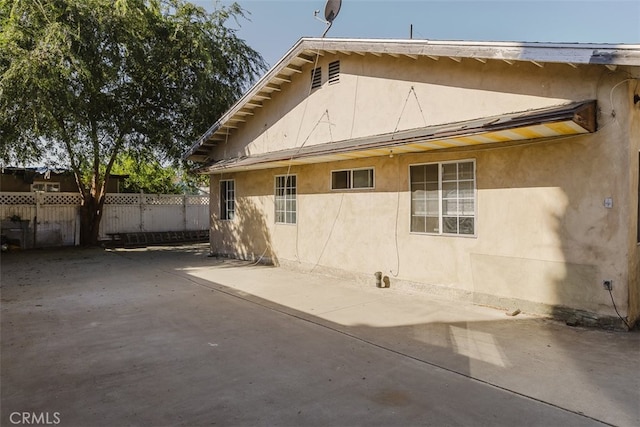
x=84, y=80
x=151, y=177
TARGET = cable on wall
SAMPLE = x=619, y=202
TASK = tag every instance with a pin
x=329, y=123
x=288, y=174
x=415, y=95
x=320, y=120
x=406, y=100
x=396, y=228
x=424, y=121
x=613, y=110
x=333, y=226
x=616, y=309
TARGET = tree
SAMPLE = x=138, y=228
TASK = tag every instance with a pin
x=84, y=80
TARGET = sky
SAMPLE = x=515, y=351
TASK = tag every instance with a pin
x=274, y=26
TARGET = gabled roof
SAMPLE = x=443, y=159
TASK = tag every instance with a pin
x=306, y=49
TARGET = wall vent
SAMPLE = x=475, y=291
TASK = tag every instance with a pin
x=334, y=72
x=316, y=78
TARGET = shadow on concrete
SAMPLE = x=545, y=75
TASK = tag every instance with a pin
x=532, y=356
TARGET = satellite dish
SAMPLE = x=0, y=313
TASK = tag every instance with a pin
x=331, y=10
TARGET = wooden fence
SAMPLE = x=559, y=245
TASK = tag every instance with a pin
x=52, y=219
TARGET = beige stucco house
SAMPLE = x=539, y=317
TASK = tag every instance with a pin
x=501, y=173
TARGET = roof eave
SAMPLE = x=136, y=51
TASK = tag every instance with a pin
x=255, y=89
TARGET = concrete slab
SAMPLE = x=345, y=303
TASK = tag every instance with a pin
x=168, y=336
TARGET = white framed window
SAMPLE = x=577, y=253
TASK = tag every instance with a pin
x=285, y=199
x=348, y=179
x=227, y=199
x=443, y=198
x=48, y=187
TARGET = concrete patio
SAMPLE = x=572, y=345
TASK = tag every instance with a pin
x=168, y=336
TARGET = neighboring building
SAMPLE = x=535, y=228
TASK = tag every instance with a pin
x=47, y=180
x=502, y=173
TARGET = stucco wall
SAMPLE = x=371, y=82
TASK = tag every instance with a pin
x=543, y=232
x=381, y=95
x=542, y=235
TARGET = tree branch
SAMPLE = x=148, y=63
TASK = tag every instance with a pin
x=72, y=159
x=112, y=158
x=96, y=156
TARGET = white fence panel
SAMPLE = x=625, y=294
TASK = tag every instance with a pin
x=18, y=213
x=130, y=213
x=164, y=213
x=57, y=222
x=52, y=219
x=197, y=213
x=20, y=206
x=122, y=214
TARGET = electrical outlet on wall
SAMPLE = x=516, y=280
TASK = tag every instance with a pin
x=607, y=284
